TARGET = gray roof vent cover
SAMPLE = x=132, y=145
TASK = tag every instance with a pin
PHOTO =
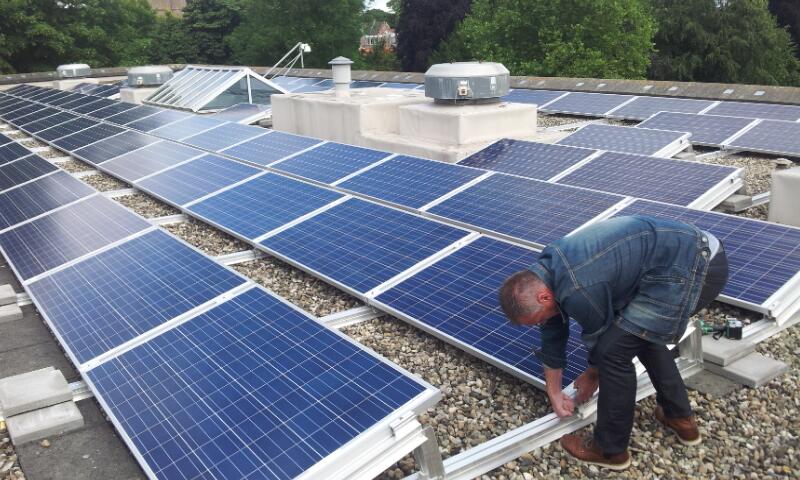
x=73, y=70
x=466, y=82
x=148, y=76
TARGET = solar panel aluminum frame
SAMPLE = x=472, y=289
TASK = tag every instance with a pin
x=693, y=141
x=668, y=151
x=584, y=114
x=719, y=192
x=364, y=456
x=728, y=144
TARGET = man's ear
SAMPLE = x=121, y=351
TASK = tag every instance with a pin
x=545, y=297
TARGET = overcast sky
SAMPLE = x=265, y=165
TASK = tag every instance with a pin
x=380, y=4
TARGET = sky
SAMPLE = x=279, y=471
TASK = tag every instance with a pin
x=380, y=4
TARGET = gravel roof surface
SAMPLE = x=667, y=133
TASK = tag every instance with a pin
x=50, y=153
x=554, y=120
x=208, y=239
x=146, y=206
x=105, y=183
x=32, y=143
x=74, y=166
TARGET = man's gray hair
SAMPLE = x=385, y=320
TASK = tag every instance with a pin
x=517, y=295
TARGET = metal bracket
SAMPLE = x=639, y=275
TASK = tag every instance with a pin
x=429, y=458
x=349, y=317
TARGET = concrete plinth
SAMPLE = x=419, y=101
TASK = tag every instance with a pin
x=135, y=95
x=70, y=83
x=32, y=391
x=724, y=351
x=9, y=313
x=754, y=370
x=7, y=295
x=43, y=423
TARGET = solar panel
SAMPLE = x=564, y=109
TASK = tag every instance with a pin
x=66, y=99
x=79, y=229
x=536, y=97
x=84, y=100
x=133, y=114
x=117, y=107
x=410, y=181
x=262, y=204
x=48, y=95
x=400, y=85
x=642, y=141
x=90, y=105
x=330, y=162
x=126, y=291
x=86, y=137
x=5, y=140
x=661, y=179
x=360, y=245
x=710, y=130
x=531, y=210
x=66, y=128
x=770, y=136
x=35, y=116
x=186, y=128
x=769, y=111
x=541, y=161
x=40, y=196
x=224, y=136
x=22, y=112
x=456, y=298
x=243, y=113
x=150, y=159
x=47, y=122
x=589, y=104
x=10, y=107
x=762, y=256
x=364, y=84
x=267, y=149
x=253, y=384
x=11, y=152
x=195, y=179
x=644, y=107
x=115, y=146
x=24, y=170
x=160, y=119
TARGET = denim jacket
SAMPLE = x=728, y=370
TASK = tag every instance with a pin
x=642, y=273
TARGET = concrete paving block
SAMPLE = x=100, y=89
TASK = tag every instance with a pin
x=32, y=391
x=712, y=384
x=7, y=295
x=10, y=313
x=754, y=370
x=724, y=351
x=38, y=424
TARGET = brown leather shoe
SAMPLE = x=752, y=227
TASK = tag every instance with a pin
x=685, y=428
x=586, y=450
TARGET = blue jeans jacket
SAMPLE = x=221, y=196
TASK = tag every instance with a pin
x=642, y=273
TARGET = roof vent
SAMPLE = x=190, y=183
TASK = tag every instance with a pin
x=148, y=76
x=466, y=82
x=73, y=70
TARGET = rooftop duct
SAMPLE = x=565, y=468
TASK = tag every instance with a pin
x=73, y=70
x=466, y=82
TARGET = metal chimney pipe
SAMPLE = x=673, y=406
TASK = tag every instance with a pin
x=341, y=75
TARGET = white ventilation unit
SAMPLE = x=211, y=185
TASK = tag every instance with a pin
x=466, y=82
x=73, y=70
x=151, y=76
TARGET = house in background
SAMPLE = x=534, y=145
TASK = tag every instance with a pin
x=380, y=34
x=173, y=6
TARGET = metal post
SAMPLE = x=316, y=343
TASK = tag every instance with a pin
x=429, y=458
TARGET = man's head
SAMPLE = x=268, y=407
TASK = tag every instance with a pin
x=526, y=300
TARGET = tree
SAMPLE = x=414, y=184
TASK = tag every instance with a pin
x=271, y=27
x=576, y=38
x=208, y=25
x=422, y=26
x=737, y=41
x=171, y=42
x=373, y=17
x=788, y=14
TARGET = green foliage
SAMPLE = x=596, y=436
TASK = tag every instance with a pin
x=577, y=38
x=788, y=14
x=171, y=42
x=422, y=27
x=208, y=24
x=271, y=27
x=737, y=42
x=372, y=18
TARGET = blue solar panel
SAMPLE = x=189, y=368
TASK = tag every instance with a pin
x=457, y=297
x=84, y=100
x=267, y=149
x=79, y=229
x=187, y=127
x=24, y=170
x=535, y=97
x=66, y=128
x=641, y=141
x=710, y=130
x=66, y=99
x=589, y=104
x=48, y=95
x=5, y=140
x=150, y=159
x=40, y=196
x=541, y=161
x=10, y=107
x=361, y=244
x=35, y=117
x=769, y=111
x=126, y=291
x=330, y=162
x=262, y=204
x=770, y=136
x=531, y=210
x=243, y=111
x=117, y=107
x=11, y=152
x=163, y=118
x=645, y=107
x=224, y=136
x=762, y=256
x=113, y=147
x=364, y=84
x=90, y=105
x=132, y=115
x=253, y=384
x=660, y=179
x=195, y=179
x=87, y=137
x=409, y=181
x=45, y=123
x=400, y=85
x=12, y=117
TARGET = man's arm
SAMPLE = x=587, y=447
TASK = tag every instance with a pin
x=562, y=403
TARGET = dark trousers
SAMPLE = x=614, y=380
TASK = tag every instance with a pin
x=613, y=357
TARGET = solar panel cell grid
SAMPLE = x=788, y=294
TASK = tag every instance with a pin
x=256, y=390
x=24, y=170
x=40, y=196
x=330, y=162
x=66, y=99
x=93, y=104
x=541, y=161
x=11, y=152
x=771, y=136
x=86, y=137
x=536, y=97
x=150, y=159
x=769, y=111
x=224, y=136
x=614, y=138
x=163, y=118
x=705, y=129
x=11, y=117
x=115, y=146
x=35, y=116
x=361, y=244
x=115, y=108
x=66, y=128
x=267, y=149
x=263, y=204
x=132, y=115
x=126, y=291
x=47, y=122
x=591, y=104
x=644, y=107
x=187, y=127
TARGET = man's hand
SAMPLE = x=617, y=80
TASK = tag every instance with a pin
x=586, y=384
x=562, y=403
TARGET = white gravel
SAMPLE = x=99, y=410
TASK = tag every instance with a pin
x=554, y=120
x=50, y=153
x=104, y=183
x=75, y=166
x=147, y=206
x=9, y=464
x=208, y=239
x=32, y=143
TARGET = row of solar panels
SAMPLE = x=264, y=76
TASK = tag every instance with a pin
x=97, y=90
x=248, y=386
x=260, y=209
